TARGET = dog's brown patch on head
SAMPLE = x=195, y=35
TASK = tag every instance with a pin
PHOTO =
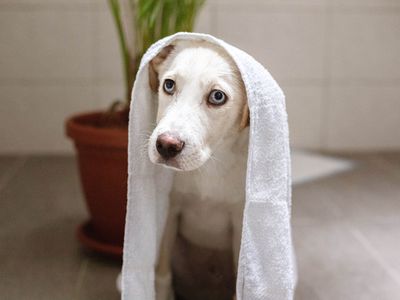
x=154, y=66
x=245, y=120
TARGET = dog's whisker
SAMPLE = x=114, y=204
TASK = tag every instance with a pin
x=215, y=159
x=214, y=162
x=200, y=171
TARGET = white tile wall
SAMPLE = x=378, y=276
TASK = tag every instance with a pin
x=32, y=116
x=279, y=3
x=106, y=52
x=363, y=99
x=45, y=44
x=365, y=46
x=23, y=3
x=206, y=21
x=305, y=114
x=363, y=4
x=337, y=61
x=106, y=93
x=290, y=43
x=364, y=118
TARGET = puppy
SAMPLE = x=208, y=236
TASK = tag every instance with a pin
x=202, y=133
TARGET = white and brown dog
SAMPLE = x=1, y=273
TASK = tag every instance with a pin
x=201, y=132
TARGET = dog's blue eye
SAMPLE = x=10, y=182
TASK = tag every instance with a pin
x=169, y=86
x=217, y=97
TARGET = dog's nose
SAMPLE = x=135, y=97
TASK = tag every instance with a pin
x=169, y=145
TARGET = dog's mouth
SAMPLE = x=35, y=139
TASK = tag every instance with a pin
x=180, y=163
x=185, y=161
x=171, y=163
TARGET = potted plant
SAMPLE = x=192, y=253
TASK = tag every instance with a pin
x=101, y=138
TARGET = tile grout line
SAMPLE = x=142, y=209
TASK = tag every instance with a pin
x=94, y=21
x=293, y=7
x=297, y=81
x=47, y=6
x=214, y=13
x=326, y=94
x=10, y=174
x=394, y=274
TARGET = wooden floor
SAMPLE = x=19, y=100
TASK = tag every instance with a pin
x=346, y=230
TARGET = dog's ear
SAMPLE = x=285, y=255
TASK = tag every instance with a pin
x=245, y=120
x=154, y=66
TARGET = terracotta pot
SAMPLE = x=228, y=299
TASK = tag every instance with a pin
x=102, y=161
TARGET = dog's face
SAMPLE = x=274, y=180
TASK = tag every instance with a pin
x=201, y=102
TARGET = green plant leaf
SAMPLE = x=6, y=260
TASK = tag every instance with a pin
x=152, y=20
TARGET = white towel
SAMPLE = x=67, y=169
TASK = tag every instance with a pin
x=266, y=265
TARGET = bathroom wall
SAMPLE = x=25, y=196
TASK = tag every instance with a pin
x=337, y=61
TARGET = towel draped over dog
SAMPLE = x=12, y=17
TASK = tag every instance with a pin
x=266, y=268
